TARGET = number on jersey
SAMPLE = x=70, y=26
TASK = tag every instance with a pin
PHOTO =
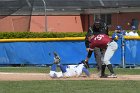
x=99, y=37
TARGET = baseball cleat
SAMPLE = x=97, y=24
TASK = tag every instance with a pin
x=103, y=76
x=112, y=76
x=56, y=58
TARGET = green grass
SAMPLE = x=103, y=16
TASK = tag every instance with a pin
x=123, y=71
x=70, y=86
x=127, y=71
x=25, y=69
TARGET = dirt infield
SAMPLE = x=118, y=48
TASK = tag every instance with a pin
x=44, y=76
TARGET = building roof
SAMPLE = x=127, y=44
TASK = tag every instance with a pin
x=28, y=7
x=90, y=4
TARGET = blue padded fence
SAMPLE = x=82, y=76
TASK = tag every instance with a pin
x=71, y=52
x=132, y=52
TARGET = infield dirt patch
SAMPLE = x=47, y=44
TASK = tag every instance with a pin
x=45, y=76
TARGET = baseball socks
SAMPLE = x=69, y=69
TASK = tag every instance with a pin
x=63, y=68
x=112, y=75
x=53, y=67
x=110, y=68
x=103, y=72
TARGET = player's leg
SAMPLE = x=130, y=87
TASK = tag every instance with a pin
x=107, y=56
x=63, y=68
x=107, y=63
x=53, y=67
x=85, y=70
x=98, y=55
x=81, y=68
x=66, y=70
x=53, y=71
x=103, y=67
x=103, y=75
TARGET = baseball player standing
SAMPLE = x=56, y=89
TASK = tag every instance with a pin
x=99, y=27
x=103, y=41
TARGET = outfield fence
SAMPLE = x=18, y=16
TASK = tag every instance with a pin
x=71, y=50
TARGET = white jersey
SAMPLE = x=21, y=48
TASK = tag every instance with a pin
x=131, y=33
x=71, y=71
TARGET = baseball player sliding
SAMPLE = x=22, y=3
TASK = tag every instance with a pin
x=103, y=41
x=67, y=70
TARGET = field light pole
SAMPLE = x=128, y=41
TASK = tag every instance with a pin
x=45, y=8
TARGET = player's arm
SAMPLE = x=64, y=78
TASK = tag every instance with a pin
x=89, y=54
x=87, y=58
x=88, y=37
x=115, y=36
x=87, y=42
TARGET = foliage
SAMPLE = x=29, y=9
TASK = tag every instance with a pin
x=11, y=35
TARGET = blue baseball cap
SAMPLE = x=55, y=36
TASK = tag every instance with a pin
x=118, y=28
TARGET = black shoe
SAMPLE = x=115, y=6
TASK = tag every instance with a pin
x=56, y=58
x=104, y=76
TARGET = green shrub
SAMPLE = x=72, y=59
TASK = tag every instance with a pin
x=10, y=35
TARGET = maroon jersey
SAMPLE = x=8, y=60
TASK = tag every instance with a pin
x=100, y=41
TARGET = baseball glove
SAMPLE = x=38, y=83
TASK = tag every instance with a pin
x=85, y=62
